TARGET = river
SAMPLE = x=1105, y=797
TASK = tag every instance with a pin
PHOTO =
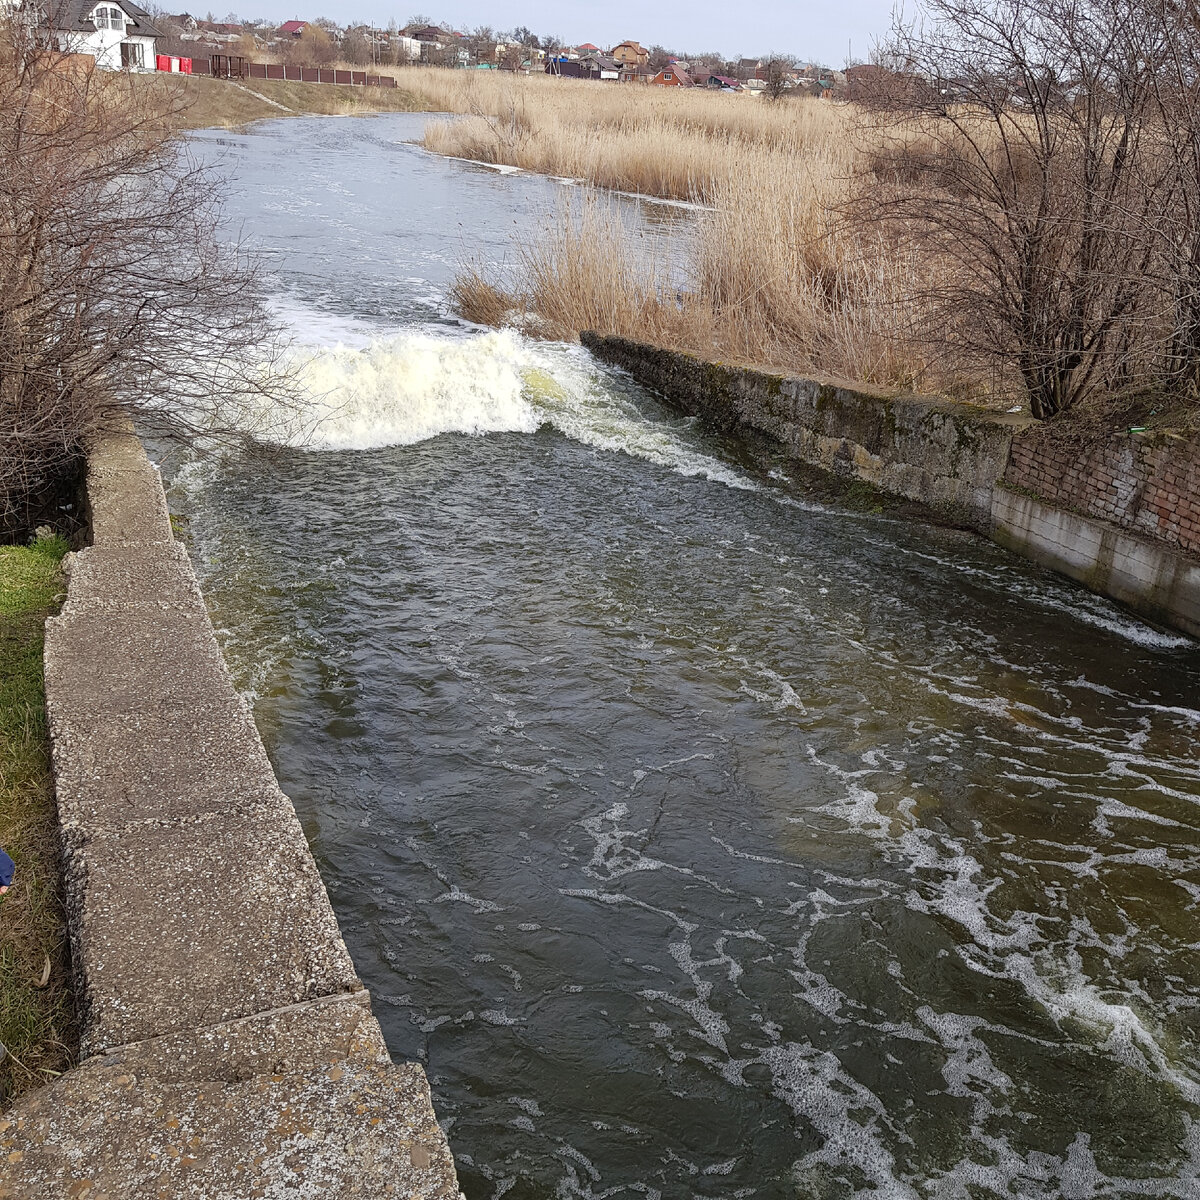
x=700, y=839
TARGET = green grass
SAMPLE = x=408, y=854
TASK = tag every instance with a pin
x=36, y=1017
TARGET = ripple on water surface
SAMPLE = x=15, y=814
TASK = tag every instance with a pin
x=700, y=840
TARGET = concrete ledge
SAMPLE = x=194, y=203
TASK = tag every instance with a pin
x=941, y=454
x=1146, y=575
x=950, y=457
x=303, y=1102
x=229, y=1047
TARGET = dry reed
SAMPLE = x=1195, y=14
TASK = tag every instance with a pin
x=776, y=278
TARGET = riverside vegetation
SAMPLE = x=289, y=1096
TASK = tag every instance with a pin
x=36, y=1016
x=120, y=297
x=1009, y=216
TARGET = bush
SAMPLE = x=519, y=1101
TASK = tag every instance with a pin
x=118, y=297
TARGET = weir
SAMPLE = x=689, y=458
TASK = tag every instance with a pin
x=228, y=1046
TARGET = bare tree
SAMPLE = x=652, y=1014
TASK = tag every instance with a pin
x=512, y=56
x=315, y=46
x=1018, y=142
x=1168, y=37
x=777, y=77
x=357, y=45
x=120, y=291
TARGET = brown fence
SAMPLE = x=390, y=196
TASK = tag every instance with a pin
x=299, y=74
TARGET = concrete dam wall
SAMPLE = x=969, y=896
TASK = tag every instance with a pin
x=1124, y=520
x=228, y=1047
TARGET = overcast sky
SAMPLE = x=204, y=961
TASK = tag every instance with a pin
x=815, y=29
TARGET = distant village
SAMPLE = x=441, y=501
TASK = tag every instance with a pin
x=320, y=41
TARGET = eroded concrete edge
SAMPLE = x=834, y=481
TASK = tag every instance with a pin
x=228, y=1046
x=950, y=457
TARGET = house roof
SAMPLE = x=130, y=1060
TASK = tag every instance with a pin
x=75, y=16
x=293, y=26
x=587, y=46
x=683, y=77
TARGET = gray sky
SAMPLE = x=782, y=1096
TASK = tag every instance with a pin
x=816, y=29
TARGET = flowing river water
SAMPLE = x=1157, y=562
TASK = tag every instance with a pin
x=701, y=840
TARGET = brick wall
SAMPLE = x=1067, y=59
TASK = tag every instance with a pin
x=1147, y=484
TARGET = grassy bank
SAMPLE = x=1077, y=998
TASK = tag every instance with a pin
x=36, y=1016
x=216, y=103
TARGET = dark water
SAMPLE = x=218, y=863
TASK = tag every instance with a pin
x=699, y=840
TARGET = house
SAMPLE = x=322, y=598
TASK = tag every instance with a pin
x=118, y=35
x=293, y=28
x=630, y=54
x=602, y=66
x=592, y=66
x=719, y=83
x=403, y=49
x=672, y=76
x=218, y=33
x=641, y=74
x=587, y=48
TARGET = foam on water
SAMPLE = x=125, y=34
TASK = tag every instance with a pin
x=366, y=392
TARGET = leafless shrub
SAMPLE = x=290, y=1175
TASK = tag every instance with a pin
x=1168, y=36
x=1021, y=157
x=120, y=292
x=776, y=80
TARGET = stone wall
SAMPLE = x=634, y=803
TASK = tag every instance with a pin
x=1144, y=483
x=1123, y=518
x=947, y=456
x=228, y=1046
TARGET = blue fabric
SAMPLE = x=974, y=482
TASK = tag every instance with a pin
x=7, y=869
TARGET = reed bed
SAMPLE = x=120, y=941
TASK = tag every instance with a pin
x=776, y=278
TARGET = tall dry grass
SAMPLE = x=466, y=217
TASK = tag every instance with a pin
x=776, y=276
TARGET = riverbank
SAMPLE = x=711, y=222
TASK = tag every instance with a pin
x=37, y=1023
x=1119, y=513
x=224, y=1033
x=220, y=104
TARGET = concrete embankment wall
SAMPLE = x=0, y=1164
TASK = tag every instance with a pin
x=228, y=1046
x=1123, y=518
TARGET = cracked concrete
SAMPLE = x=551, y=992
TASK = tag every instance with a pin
x=228, y=1046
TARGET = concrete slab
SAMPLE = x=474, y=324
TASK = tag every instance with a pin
x=157, y=576
x=132, y=661
x=126, y=501
x=199, y=760
x=302, y=1104
x=197, y=922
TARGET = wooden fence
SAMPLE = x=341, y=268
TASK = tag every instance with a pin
x=298, y=74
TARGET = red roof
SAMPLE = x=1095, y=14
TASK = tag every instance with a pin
x=587, y=46
x=292, y=26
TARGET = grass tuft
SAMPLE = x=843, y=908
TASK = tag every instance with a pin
x=37, y=1024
